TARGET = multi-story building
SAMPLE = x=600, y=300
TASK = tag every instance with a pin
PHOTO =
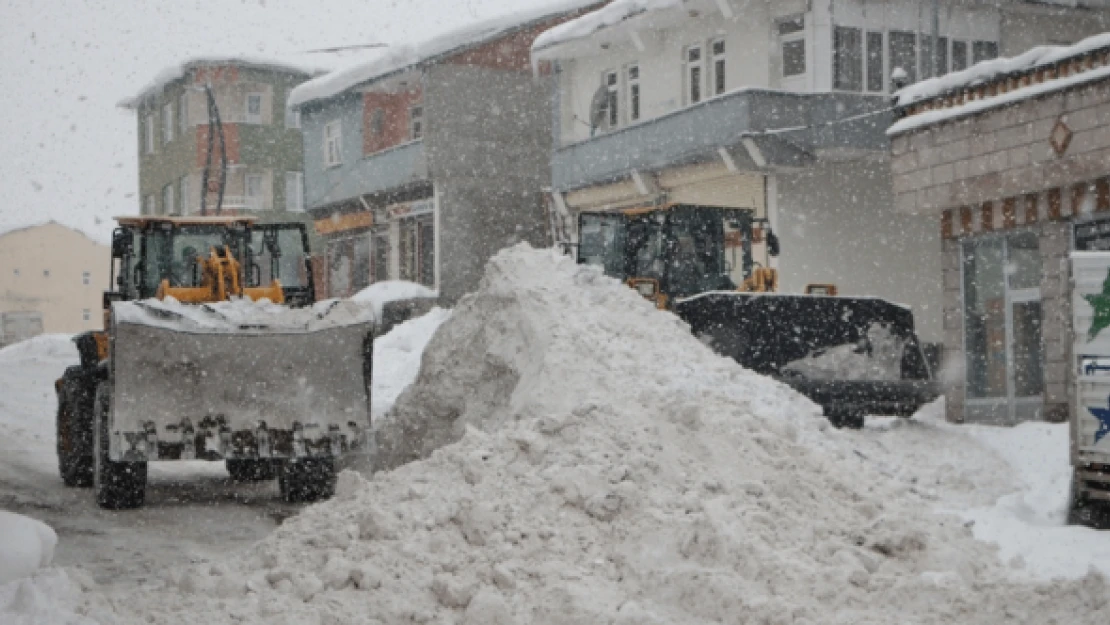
x=780, y=107
x=52, y=279
x=265, y=172
x=422, y=164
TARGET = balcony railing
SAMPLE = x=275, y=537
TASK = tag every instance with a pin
x=390, y=169
x=789, y=129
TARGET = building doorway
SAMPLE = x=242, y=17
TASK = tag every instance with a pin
x=1002, y=329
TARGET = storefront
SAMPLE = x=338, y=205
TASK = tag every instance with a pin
x=1017, y=169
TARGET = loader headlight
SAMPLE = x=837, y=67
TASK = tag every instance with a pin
x=646, y=288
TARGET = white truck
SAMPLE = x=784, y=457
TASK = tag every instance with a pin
x=1090, y=419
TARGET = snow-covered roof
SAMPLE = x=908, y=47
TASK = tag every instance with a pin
x=610, y=15
x=299, y=65
x=987, y=72
x=399, y=58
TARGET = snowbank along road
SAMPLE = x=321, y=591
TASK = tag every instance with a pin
x=568, y=454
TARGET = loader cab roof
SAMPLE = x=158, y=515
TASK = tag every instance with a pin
x=192, y=220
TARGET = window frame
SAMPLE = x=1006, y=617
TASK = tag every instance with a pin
x=292, y=115
x=610, y=80
x=966, y=53
x=333, y=143
x=247, y=116
x=298, y=178
x=247, y=179
x=719, y=66
x=183, y=112
x=416, y=122
x=86, y=278
x=792, y=38
x=912, y=71
x=633, y=91
x=693, y=87
x=168, y=200
x=977, y=45
x=149, y=205
x=148, y=132
x=167, y=123
x=869, y=71
x=853, y=81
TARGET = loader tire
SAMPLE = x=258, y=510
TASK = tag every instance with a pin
x=1084, y=511
x=250, y=470
x=74, y=429
x=306, y=480
x=118, y=485
x=841, y=419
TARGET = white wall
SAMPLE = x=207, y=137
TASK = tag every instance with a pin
x=836, y=224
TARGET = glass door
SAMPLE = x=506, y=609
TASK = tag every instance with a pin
x=1002, y=329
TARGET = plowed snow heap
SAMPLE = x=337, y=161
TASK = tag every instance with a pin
x=583, y=459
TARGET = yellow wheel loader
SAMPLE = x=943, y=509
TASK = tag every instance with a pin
x=214, y=348
x=851, y=355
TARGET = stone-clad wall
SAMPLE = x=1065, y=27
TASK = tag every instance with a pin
x=1004, y=152
x=1037, y=166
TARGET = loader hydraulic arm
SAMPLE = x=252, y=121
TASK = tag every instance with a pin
x=219, y=282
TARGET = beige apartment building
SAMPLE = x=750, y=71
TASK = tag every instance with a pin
x=52, y=273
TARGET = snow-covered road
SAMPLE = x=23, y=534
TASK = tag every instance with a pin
x=1008, y=485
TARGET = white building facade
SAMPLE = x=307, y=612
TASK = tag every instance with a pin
x=779, y=107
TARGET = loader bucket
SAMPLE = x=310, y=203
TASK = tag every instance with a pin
x=769, y=332
x=176, y=368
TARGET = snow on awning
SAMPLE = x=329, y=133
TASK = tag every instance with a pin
x=308, y=67
x=401, y=58
x=1002, y=81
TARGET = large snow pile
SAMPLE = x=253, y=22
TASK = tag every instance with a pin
x=26, y=545
x=586, y=460
x=50, y=597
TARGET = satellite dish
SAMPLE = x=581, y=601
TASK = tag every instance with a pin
x=599, y=108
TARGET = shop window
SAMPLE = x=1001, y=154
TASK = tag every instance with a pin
x=417, y=251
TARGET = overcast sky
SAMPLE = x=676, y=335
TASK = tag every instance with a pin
x=68, y=153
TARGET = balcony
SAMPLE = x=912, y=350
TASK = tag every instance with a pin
x=392, y=169
x=759, y=129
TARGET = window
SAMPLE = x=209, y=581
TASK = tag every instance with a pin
x=86, y=314
x=377, y=122
x=333, y=144
x=847, y=59
x=294, y=191
x=416, y=122
x=167, y=123
x=148, y=134
x=16, y=272
x=183, y=198
x=633, y=73
x=292, y=115
x=983, y=51
x=959, y=55
x=791, y=31
x=148, y=205
x=927, y=57
x=46, y=273
x=611, y=106
x=167, y=200
x=183, y=112
x=254, y=185
x=254, y=108
x=694, y=72
x=903, y=55
x=718, y=49
x=875, y=74
x=379, y=260
x=86, y=277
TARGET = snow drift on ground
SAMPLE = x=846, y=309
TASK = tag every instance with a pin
x=584, y=459
x=381, y=293
x=26, y=545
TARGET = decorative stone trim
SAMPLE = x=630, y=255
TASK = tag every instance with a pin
x=1013, y=212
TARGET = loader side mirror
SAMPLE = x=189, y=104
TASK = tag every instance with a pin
x=121, y=243
x=772, y=243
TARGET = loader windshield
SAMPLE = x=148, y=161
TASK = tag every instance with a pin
x=172, y=253
x=688, y=249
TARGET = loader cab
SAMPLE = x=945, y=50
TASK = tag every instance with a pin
x=147, y=250
x=670, y=251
